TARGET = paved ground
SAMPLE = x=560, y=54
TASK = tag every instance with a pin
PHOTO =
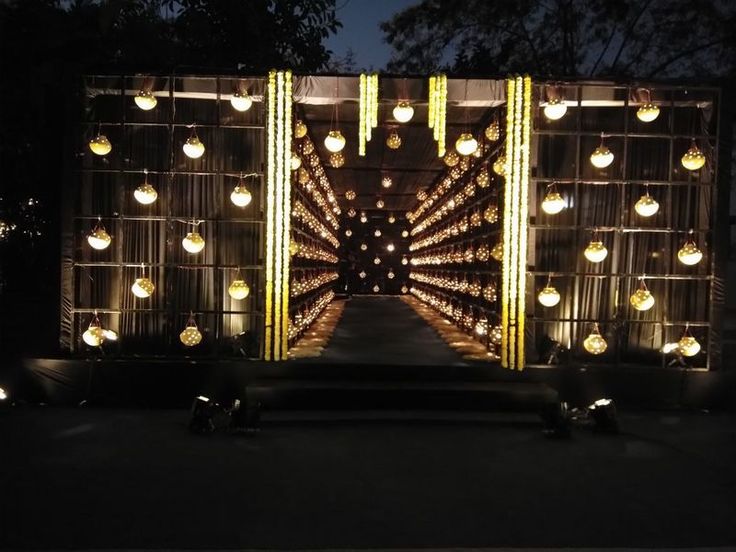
x=135, y=479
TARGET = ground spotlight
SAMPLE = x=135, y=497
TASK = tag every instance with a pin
x=603, y=413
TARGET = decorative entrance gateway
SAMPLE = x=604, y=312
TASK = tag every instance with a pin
x=553, y=223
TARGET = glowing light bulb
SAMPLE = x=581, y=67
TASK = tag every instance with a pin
x=390, y=274
x=601, y=157
x=193, y=147
x=99, y=238
x=100, y=145
x=350, y=195
x=348, y=232
x=190, y=336
x=594, y=343
x=394, y=140
x=145, y=194
x=596, y=252
x=193, y=242
x=390, y=247
x=238, y=289
x=295, y=162
x=689, y=254
x=241, y=101
x=363, y=217
x=391, y=218
x=642, y=299
x=553, y=202
x=693, y=159
x=403, y=112
x=376, y=289
x=377, y=233
x=548, y=296
x=145, y=100
x=493, y=131
x=688, y=345
x=499, y=165
x=377, y=261
x=451, y=158
x=380, y=204
x=300, y=129
x=647, y=112
x=94, y=336
x=386, y=182
x=240, y=195
x=337, y=160
x=404, y=261
x=555, y=109
x=363, y=247
x=466, y=144
x=404, y=233
x=142, y=287
x=647, y=206
x=362, y=274
x=334, y=141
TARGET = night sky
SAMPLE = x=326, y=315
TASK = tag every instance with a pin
x=360, y=31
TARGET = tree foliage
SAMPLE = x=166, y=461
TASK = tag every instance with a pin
x=641, y=38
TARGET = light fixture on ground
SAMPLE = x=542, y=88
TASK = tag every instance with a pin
x=193, y=147
x=145, y=194
x=394, y=140
x=595, y=344
x=100, y=145
x=601, y=157
x=646, y=206
x=334, y=141
x=241, y=101
x=642, y=299
x=687, y=344
x=241, y=196
x=403, y=112
x=689, y=254
x=596, y=252
x=555, y=109
x=548, y=295
x=190, y=335
x=145, y=100
x=193, y=242
x=648, y=112
x=553, y=202
x=99, y=238
x=466, y=144
x=694, y=158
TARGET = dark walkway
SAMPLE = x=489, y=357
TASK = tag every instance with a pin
x=385, y=330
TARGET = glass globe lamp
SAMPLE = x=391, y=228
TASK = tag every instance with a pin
x=601, y=157
x=493, y=131
x=145, y=194
x=689, y=254
x=499, y=165
x=688, y=345
x=99, y=238
x=647, y=113
x=466, y=144
x=334, y=141
x=241, y=196
x=300, y=129
x=193, y=147
x=142, y=287
x=241, y=101
x=94, y=335
x=548, y=296
x=596, y=252
x=145, y=100
x=238, y=289
x=555, y=109
x=553, y=203
x=295, y=162
x=451, y=158
x=193, y=242
x=642, y=299
x=337, y=160
x=100, y=145
x=595, y=344
x=646, y=206
x=403, y=112
x=190, y=336
x=694, y=158
x=394, y=140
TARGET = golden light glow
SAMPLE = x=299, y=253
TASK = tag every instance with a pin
x=451, y=158
x=553, y=202
x=646, y=206
x=688, y=345
x=555, y=109
x=596, y=252
x=601, y=156
x=394, y=140
x=350, y=195
x=337, y=160
x=595, y=344
x=193, y=147
x=296, y=161
x=390, y=247
x=193, y=242
x=377, y=233
x=190, y=336
x=403, y=112
x=241, y=196
x=145, y=194
x=391, y=218
x=334, y=141
x=386, y=182
x=499, y=165
x=647, y=112
x=376, y=289
x=241, y=101
x=689, y=254
x=145, y=100
x=380, y=204
x=99, y=238
x=493, y=131
x=466, y=144
x=377, y=261
x=94, y=335
x=497, y=251
x=142, y=287
x=642, y=299
x=300, y=129
x=238, y=289
x=100, y=145
x=362, y=274
x=694, y=158
x=548, y=296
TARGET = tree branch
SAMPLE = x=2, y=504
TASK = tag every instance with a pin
x=629, y=31
x=685, y=53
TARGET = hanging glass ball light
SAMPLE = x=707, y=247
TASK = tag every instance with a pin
x=99, y=238
x=193, y=242
x=293, y=248
x=295, y=162
x=451, y=158
x=403, y=112
x=694, y=158
x=421, y=195
x=145, y=100
x=100, y=145
x=496, y=335
x=334, y=141
x=647, y=113
x=646, y=206
x=362, y=274
x=404, y=233
x=497, y=251
x=337, y=160
x=363, y=217
x=376, y=289
x=481, y=327
x=594, y=343
x=240, y=195
x=483, y=180
x=601, y=156
x=377, y=261
x=688, y=345
x=380, y=204
x=404, y=289
x=689, y=254
x=555, y=109
x=642, y=299
x=390, y=247
x=394, y=140
x=145, y=194
x=553, y=202
x=352, y=213
x=241, y=101
x=302, y=175
x=193, y=147
x=404, y=261
x=300, y=129
x=499, y=165
x=596, y=252
x=490, y=214
x=493, y=131
x=363, y=247
x=350, y=195
x=548, y=296
x=142, y=287
x=466, y=144
x=377, y=232
x=238, y=289
x=387, y=182
x=390, y=274
x=191, y=335
x=391, y=218
x=94, y=335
